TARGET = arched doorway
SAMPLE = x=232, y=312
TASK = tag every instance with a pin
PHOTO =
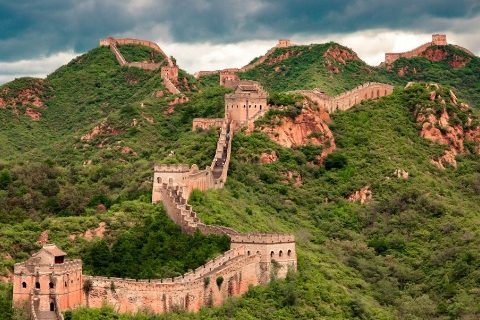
x=52, y=306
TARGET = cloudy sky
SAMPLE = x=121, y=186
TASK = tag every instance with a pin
x=37, y=36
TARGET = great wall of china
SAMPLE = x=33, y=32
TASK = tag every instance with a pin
x=47, y=284
x=437, y=40
x=169, y=73
x=346, y=100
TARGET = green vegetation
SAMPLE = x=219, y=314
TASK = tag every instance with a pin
x=307, y=68
x=136, y=53
x=155, y=249
x=412, y=253
x=466, y=78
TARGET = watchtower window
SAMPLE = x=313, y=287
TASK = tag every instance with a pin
x=289, y=253
x=260, y=107
x=24, y=284
x=52, y=306
x=51, y=285
x=272, y=254
x=66, y=284
x=280, y=253
x=59, y=259
x=37, y=285
x=248, y=253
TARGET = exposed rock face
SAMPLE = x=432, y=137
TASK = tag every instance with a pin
x=364, y=195
x=310, y=127
x=335, y=55
x=439, y=54
x=437, y=127
x=435, y=54
x=159, y=93
x=268, y=157
x=401, y=174
x=101, y=129
x=177, y=100
x=31, y=97
x=98, y=232
x=339, y=54
x=148, y=118
x=458, y=62
x=43, y=238
x=405, y=70
x=33, y=114
x=295, y=177
x=282, y=57
x=127, y=150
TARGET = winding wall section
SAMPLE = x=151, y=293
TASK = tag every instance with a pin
x=346, y=100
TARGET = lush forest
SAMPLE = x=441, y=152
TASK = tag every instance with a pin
x=411, y=253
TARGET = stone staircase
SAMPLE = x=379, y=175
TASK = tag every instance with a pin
x=121, y=60
x=46, y=315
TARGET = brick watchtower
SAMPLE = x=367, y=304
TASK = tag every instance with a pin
x=47, y=283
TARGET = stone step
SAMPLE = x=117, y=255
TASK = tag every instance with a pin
x=46, y=315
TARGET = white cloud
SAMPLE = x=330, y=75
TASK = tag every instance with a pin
x=39, y=67
x=370, y=45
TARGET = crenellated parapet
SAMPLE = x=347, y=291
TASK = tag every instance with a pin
x=348, y=99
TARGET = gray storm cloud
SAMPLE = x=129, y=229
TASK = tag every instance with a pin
x=33, y=32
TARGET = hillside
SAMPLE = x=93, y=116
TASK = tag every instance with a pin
x=330, y=66
x=442, y=64
x=335, y=69
x=411, y=252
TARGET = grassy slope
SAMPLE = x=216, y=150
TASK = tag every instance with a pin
x=307, y=70
x=404, y=256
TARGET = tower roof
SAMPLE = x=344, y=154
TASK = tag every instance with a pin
x=53, y=250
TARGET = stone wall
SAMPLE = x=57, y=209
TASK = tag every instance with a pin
x=169, y=73
x=189, y=292
x=282, y=43
x=207, y=123
x=124, y=41
x=437, y=39
x=348, y=99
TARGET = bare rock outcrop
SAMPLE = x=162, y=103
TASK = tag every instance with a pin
x=32, y=97
x=310, y=127
x=43, y=238
x=268, y=157
x=364, y=195
x=440, y=54
x=283, y=56
x=441, y=124
x=101, y=129
x=89, y=234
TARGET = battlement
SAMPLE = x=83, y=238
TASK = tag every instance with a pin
x=263, y=238
x=207, y=123
x=284, y=43
x=348, y=99
x=172, y=168
x=439, y=39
